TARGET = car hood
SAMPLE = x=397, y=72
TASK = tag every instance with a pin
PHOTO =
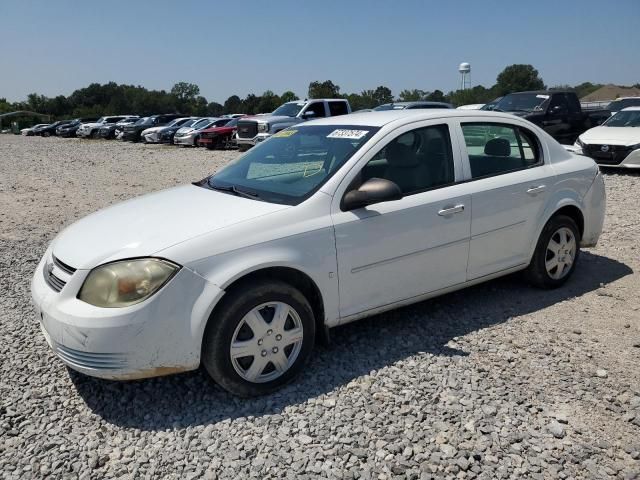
x=92, y=125
x=147, y=131
x=612, y=135
x=145, y=225
x=276, y=119
x=185, y=130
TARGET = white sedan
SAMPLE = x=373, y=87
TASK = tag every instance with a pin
x=615, y=143
x=325, y=223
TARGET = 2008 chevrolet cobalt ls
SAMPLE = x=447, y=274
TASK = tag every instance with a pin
x=324, y=223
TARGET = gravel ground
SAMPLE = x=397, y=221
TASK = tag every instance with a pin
x=497, y=381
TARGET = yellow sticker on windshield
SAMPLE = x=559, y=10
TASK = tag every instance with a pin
x=285, y=133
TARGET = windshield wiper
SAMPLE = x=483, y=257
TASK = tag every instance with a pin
x=235, y=190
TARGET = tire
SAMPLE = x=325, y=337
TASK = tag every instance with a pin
x=93, y=134
x=46, y=134
x=256, y=303
x=243, y=148
x=556, y=235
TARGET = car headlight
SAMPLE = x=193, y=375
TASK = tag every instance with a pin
x=579, y=143
x=635, y=147
x=263, y=127
x=127, y=282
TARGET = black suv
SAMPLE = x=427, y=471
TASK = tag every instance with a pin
x=132, y=132
x=69, y=129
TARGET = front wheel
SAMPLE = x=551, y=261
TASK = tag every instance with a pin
x=556, y=254
x=259, y=338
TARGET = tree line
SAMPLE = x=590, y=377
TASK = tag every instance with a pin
x=112, y=98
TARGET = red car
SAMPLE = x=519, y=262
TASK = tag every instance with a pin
x=219, y=137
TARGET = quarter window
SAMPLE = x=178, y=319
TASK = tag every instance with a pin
x=495, y=149
x=416, y=161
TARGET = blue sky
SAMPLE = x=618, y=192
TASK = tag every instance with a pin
x=231, y=47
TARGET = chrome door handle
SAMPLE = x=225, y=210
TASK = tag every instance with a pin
x=536, y=189
x=451, y=210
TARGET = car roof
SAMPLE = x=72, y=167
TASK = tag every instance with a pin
x=625, y=98
x=381, y=118
x=417, y=102
x=630, y=109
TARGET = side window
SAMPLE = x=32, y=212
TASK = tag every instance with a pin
x=495, y=149
x=317, y=108
x=338, y=108
x=560, y=101
x=417, y=160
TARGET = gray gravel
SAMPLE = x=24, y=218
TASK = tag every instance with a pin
x=498, y=381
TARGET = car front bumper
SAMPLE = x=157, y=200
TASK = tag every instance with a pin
x=159, y=336
x=260, y=137
x=153, y=137
x=632, y=160
x=188, y=140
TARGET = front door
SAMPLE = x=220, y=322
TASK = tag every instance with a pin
x=393, y=251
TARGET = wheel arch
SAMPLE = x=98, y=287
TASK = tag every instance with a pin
x=290, y=275
x=569, y=206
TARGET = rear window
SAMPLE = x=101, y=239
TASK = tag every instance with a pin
x=338, y=108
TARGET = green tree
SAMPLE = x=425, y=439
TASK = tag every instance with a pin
x=436, y=96
x=186, y=95
x=518, y=78
x=288, y=96
x=214, y=109
x=269, y=101
x=233, y=104
x=382, y=95
x=412, y=95
x=250, y=104
x=326, y=89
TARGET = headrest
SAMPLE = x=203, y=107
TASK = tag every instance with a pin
x=498, y=147
x=435, y=146
x=401, y=156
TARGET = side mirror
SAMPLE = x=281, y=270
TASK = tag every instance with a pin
x=308, y=114
x=374, y=190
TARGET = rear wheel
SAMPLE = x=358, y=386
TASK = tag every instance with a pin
x=556, y=254
x=46, y=134
x=259, y=339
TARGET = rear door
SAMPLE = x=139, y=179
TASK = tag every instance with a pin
x=510, y=183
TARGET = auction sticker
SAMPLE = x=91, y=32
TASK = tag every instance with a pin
x=349, y=134
x=285, y=133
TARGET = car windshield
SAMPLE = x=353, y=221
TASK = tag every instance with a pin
x=201, y=123
x=625, y=118
x=618, y=105
x=288, y=109
x=389, y=106
x=188, y=123
x=292, y=164
x=143, y=121
x=232, y=123
x=522, y=102
x=101, y=120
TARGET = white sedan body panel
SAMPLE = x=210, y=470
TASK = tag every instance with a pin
x=361, y=261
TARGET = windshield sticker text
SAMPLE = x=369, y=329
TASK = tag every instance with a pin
x=349, y=134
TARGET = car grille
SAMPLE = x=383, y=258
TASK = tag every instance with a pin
x=54, y=281
x=613, y=156
x=247, y=129
x=95, y=361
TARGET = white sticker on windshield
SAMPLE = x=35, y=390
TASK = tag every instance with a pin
x=542, y=96
x=349, y=134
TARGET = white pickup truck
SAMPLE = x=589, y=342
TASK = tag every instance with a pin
x=253, y=130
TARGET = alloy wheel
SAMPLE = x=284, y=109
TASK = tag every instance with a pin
x=266, y=342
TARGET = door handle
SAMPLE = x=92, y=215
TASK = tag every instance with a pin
x=533, y=190
x=451, y=210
